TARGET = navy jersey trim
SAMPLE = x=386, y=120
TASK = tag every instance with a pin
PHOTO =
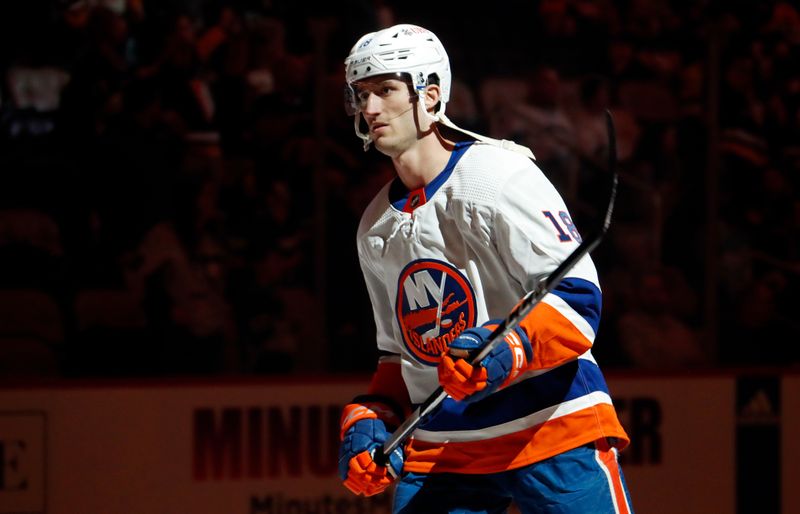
x=398, y=193
x=584, y=297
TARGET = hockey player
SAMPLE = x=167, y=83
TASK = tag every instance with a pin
x=447, y=249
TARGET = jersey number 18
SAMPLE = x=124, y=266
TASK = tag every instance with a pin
x=563, y=235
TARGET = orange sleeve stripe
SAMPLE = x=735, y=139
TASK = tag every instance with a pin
x=546, y=326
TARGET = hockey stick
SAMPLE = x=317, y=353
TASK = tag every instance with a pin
x=522, y=309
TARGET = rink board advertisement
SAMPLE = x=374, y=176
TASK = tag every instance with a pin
x=271, y=447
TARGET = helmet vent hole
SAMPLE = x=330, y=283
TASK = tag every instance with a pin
x=395, y=55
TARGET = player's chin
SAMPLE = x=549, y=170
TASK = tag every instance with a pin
x=383, y=146
x=381, y=140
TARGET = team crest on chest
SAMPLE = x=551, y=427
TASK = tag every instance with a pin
x=435, y=303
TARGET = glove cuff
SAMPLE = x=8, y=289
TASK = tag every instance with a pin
x=520, y=352
x=371, y=407
x=522, y=334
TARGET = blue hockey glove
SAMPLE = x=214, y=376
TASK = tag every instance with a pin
x=356, y=465
x=468, y=383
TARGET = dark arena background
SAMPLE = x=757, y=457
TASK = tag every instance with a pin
x=182, y=313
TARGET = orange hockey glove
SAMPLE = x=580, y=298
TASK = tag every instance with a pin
x=468, y=383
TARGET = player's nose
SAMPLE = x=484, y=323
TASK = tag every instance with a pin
x=372, y=104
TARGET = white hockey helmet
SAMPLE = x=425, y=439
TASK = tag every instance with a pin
x=414, y=54
x=404, y=49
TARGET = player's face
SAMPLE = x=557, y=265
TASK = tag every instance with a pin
x=387, y=106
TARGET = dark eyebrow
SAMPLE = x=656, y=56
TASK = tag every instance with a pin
x=375, y=85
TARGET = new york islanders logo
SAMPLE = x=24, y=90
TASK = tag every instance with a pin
x=435, y=303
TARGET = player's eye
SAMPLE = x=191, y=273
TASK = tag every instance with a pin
x=363, y=95
x=382, y=91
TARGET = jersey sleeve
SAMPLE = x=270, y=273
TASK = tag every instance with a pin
x=387, y=382
x=534, y=234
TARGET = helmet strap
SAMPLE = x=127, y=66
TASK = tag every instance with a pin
x=366, y=138
x=502, y=143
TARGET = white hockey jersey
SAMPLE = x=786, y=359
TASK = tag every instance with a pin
x=461, y=251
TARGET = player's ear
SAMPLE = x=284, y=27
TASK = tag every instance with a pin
x=433, y=94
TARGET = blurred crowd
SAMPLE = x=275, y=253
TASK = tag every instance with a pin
x=181, y=186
